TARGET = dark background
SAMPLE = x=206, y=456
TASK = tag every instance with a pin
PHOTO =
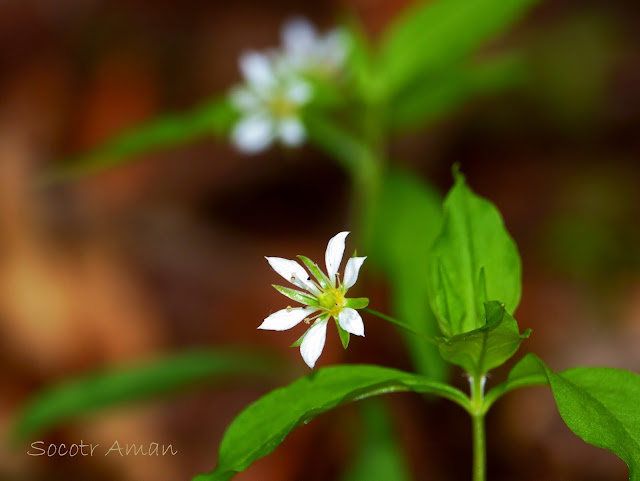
x=165, y=253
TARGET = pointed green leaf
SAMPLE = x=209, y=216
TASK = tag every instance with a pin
x=214, y=117
x=262, y=426
x=356, y=302
x=487, y=347
x=344, y=335
x=431, y=36
x=407, y=222
x=599, y=404
x=296, y=295
x=320, y=276
x=473, y=260
x=113, y=387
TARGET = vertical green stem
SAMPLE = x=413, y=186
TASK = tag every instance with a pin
x=368, y=176
x=477, y=416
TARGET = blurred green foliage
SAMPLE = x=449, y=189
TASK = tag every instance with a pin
x=406, y=223
x=147, y=380
x=380, y=456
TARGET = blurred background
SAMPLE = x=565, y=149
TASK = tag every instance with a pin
x=166, y=253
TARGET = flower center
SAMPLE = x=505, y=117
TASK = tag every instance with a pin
x=332, y=301
x=282, y=107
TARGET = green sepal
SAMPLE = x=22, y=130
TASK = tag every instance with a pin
x=301, y=338
x=321, y=277
x=296, y=295
x=356, y=302
x=487, y=347
x=344, y=335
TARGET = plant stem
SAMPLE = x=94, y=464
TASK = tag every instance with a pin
x=401, y=324
x=477, y=417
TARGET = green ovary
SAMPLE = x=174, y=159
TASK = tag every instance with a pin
x=332, y=301
x=281, y=107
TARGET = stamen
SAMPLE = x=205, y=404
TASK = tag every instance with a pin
x=289, y=308
x=293, y=278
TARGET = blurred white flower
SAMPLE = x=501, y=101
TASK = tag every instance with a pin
x=322, y=298
x=269, y=103
x=275, y=90
x=306, y=51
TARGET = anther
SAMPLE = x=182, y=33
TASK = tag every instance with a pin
x=293, y=278
x=289, y=308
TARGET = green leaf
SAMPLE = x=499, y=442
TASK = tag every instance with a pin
x=599, y=404
x=407, y=222
x=98, y=390
x=262, y=426
x=431, y=97
x=320, y=276
x=214, y=117
x=344, y=335
x=356, y=302
x=473, y=260
x=380, y=457
x=296, y=295
x=487, y=347
x=431, y=36
x=525, y=373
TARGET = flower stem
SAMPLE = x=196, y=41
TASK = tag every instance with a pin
x=477, y=418
x=400, y=324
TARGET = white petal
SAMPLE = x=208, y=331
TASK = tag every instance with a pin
x=286, y=318
x=298, y=36
x=294, y=273
x=334, y=48
x=244, y=99
x=291, y=132
x=313, y=343
x=333, y=255
x=351, y=271
x=351, y=321
x=298, y=91
x=257, y=69
x=253, y=134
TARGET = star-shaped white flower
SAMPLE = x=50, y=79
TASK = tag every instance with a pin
x=269, y=104
x=322, y=298
x=309, y=52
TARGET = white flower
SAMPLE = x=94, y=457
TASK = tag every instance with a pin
x=322, y=298
x=269, y=103
x=309, y=52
